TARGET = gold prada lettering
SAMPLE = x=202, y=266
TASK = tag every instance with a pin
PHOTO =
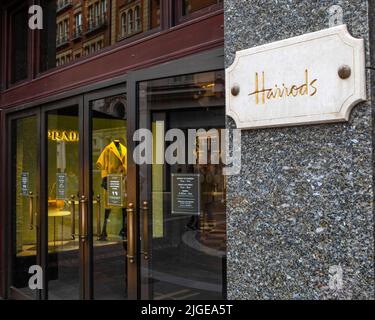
x=308, y=88
x=67, y=136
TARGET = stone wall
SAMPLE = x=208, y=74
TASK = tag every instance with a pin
x=303, y=203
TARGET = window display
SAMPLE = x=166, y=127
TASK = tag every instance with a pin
x=185, y=233
x=63, y=189
x=109, y=184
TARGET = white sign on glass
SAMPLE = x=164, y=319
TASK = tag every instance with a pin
x=314, y=78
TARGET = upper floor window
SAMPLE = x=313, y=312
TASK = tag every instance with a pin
x=191, y=6
x=90, y=15
x=137, y=17
x=66, y=29
x=73, y=25
x=63, y=33
x=77, y=24
x=59, y=29
x=123, y=24
x=130, y=21
x=62, y=5
x=104, y=7
x=96, y=12
x=19, y=45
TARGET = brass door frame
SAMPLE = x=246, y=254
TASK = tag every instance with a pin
x=74, y=101
x=132, y=265
x=212, y=60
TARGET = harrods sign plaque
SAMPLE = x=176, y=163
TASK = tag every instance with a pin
x=314, y=78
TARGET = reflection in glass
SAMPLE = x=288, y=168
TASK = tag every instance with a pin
x=24, y=201
x=187, y=251
x=109, y=176
x=77, y=28
x=19, y=44
x=47, y=36
x=190, y=6
x=63, y=187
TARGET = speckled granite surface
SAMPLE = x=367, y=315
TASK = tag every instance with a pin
x=304, y=199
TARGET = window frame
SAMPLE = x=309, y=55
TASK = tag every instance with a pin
x=11, y=10
x=137, y=18
x=123, y=25
x=77, y=23
x=130, y=20
x=103, y=7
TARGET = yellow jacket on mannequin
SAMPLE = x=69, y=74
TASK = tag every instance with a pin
x=113, y=160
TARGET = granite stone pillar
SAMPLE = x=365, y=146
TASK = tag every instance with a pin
x=302, y=211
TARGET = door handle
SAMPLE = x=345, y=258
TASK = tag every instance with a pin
x=73, y=212
x=131, y=233
x=145, y=231
x=31, y=211
x=82, y=218
x=99, y=216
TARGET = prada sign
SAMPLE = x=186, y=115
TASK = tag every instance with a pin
x=63, y=135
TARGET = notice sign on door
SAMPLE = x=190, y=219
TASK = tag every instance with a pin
x=186, y=194
x=60, y=186
x=114, y=183
x=25, y=183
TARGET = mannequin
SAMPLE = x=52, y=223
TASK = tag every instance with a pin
x=113, y=160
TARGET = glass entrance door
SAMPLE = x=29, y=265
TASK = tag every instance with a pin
x=182, y=187
x=65, y=238
x=24, y=204
x=112, y=217
x=102, y=224
x=48, y=209
x=71, y=208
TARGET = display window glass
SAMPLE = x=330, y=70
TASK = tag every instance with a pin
x=109, y=184
x=184, y=226
x=24, y=202
x=62, y=203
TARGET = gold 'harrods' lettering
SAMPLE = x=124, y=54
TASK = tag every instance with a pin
x=308, y=88
x=67, y=136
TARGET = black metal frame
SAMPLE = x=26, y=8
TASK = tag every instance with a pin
x=87, y=115
x=12, y=292
x=41, y=186
x=205, y=62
